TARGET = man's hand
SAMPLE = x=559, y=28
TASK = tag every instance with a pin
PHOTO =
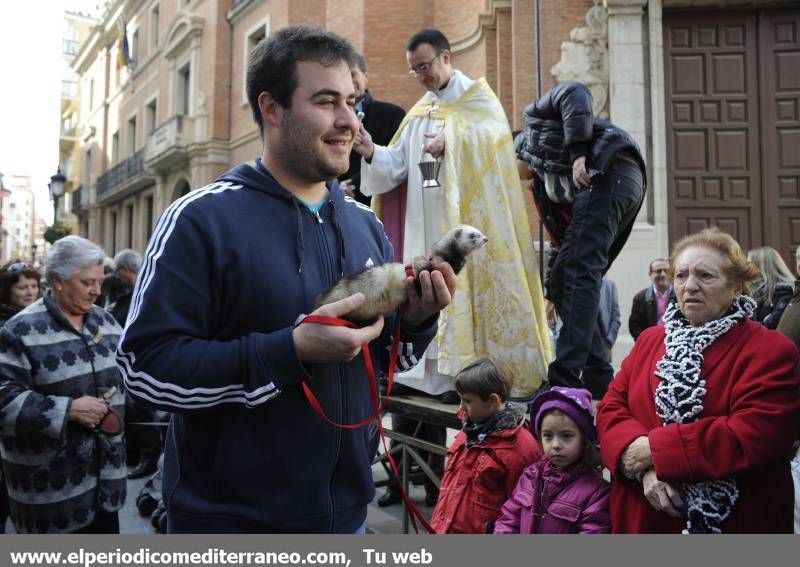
x=363, y=143
x=636, y=458
x=437, y=289
x=87, y=411
x=662, y=496
x=580, y=177
x=436, y=145
x=315, y=342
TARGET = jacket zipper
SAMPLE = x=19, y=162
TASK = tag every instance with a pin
x=330, y=264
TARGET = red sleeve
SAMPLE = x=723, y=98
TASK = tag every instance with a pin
x=528, y=453
x=616, y=425
x=759, y=427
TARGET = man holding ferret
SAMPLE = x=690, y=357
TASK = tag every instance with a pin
x=215, y=333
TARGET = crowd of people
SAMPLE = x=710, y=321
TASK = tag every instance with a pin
x=269, y=397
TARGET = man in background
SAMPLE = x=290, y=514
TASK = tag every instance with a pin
x=381, y=120
x=650, y=303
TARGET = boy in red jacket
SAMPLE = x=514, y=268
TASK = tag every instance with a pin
x=488, y=455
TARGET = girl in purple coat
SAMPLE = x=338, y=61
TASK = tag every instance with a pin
x=563, y=492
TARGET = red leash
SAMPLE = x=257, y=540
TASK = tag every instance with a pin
x=413, y=513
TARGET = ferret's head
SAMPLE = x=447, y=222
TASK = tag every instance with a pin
x=467, y=238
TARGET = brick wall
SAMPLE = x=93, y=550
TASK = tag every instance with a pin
x=558, y=19
x=457, y=18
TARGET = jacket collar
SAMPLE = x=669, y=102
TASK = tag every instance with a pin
x=91, y=322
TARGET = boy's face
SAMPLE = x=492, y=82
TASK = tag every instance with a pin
x=478, y=409
x=562, y=441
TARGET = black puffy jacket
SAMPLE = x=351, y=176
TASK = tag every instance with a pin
x=558, y=128
x=561, y=126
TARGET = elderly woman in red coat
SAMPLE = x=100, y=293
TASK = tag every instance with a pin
x=698, y=425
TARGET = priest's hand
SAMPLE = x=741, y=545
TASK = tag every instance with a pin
x=363, y=143
x=436, y=145
x=437, y=289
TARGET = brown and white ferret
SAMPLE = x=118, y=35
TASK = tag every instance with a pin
x=384, y=287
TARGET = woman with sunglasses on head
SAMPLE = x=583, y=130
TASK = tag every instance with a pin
x=61, y=402
x=19, y=287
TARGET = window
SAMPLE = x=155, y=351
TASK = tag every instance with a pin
x=68, y=125
x=184, y=89
x=129, y=221
x=154, y=25
x=135, y=48
x=132, y=135
x=69, y=88
x=87, y=173
x=148, y=217
x=113, y=232
x=71, y=39
x=115, y=148
x=253, y=36
x=151, y=116
x=68, y=167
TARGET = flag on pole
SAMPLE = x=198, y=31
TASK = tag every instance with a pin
x=123, y=51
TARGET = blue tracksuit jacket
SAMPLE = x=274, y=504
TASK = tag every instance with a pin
x=227, y=272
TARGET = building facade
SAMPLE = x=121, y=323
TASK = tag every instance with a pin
x=18, y=218
x=77, y=28
x=709, y=88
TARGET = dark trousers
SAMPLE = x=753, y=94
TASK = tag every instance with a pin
x=103, y=523
x=599, y=213
x=143, y=442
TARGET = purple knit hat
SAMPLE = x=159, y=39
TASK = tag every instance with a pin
x=575, y=402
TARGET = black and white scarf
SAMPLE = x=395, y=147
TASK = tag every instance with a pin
x=679, y=399
x=510, y=417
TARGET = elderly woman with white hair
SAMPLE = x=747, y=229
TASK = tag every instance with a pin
x=61, y=402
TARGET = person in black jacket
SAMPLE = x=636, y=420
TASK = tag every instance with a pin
x=381, y=120
x=650, y=304
x=588, y=180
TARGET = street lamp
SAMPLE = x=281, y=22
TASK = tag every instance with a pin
x=56, y=187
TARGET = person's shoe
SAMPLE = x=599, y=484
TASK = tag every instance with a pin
x=390, y=498
x=144, y=468
x=449, y=397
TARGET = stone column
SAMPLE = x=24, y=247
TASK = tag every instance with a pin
x=632, y=96
x=626, y=53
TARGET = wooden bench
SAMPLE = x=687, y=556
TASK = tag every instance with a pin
x=426, y=410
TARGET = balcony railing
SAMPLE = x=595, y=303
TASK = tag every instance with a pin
x=69, y=88
x=166, y=146
x=121, y=173
x=70, y=47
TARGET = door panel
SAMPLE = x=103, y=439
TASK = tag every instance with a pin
x=779, y=53
x=713, y=138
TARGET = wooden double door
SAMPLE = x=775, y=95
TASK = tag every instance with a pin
x=733, y=125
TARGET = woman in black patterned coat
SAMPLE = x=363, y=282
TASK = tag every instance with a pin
x=58, y=381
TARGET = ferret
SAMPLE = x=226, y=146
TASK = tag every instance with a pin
x=384, y=287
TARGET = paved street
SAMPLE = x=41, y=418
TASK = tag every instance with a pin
x=379, y=520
